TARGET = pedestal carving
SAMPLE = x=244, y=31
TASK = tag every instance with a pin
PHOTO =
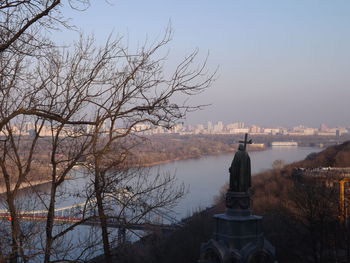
x=238, y=235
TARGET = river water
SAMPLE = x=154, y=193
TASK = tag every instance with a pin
x=204, y=177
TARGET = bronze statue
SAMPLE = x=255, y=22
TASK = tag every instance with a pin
x=238, y=235
x=240, y=174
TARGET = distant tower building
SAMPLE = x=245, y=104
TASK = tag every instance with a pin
x=177, y=128
x=337, y=132
x=255, y=129
x=199, y=129
x=221, y=125
x=324, y=127
x=210, y=127
x=235, y=127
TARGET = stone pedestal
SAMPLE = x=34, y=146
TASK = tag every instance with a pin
x=238, y=235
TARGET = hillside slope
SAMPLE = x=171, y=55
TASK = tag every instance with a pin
x=333, y=156
x=299, y=220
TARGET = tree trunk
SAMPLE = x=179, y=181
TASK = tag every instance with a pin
x=49, y=223
x=103, y=219
x=15, y=228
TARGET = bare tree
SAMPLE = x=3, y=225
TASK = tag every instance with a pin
x=89, y=99
x=23, y=22
x=15, y=165
x=278, y=164
x=81, y=104
x=313, y=208
x=137, y=94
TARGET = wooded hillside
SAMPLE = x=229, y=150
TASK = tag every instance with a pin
x=300, y=220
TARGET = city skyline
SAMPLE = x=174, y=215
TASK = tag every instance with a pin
x=29, y=129
x=279, y=62
x=266, y=125
x=241, y=128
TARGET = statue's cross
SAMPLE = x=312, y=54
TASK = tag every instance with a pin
x=245, y=142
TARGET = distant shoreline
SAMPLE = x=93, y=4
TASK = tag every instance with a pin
x=27, y=185
x=196, y=157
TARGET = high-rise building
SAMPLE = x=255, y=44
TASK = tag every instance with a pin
x=255, y=129
x=236, y=125
x=210, y=127
x=219, y=127
x=324, y=127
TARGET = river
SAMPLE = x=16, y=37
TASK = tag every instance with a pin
x=204, y=177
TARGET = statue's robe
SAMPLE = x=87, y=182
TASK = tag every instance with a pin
x=240, y=176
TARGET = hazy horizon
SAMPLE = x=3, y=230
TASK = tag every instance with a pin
x=281, y=63
x=267, y=126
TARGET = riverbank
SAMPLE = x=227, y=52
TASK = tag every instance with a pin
x=275, y=196
x=25, y=185
x=156, y=163
x=160, y=150
x=203, y=177
x=189, y=157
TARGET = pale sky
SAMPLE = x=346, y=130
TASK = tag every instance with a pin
x=280, y=62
